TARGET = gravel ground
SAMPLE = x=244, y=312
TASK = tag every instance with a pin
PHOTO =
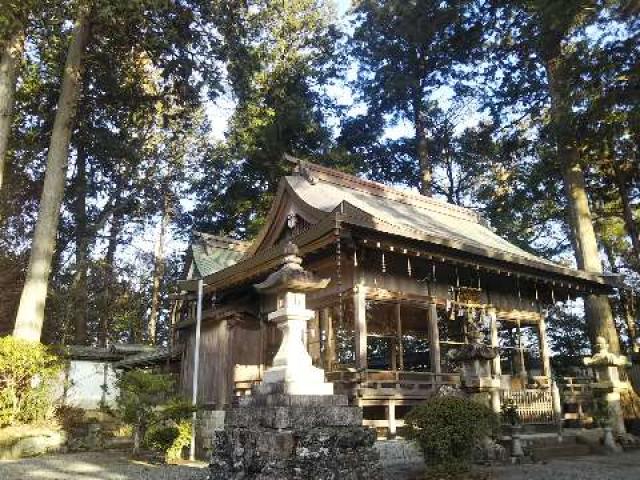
x=96, y=466
x=624, y=466
x=117, y=466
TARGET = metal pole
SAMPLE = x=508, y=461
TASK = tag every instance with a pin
x=196, y=368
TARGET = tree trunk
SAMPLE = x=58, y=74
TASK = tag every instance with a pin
x=105, y=313
x=79, y=282
x=597, y=308
x=34, y=294
x=624, y=309
x=11, y=55
x=158, y=271
x=627, y=211
x=422, y=149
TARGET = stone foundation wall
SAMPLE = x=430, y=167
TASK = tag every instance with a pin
x=208, y=423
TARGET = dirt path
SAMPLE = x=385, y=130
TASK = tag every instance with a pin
x=117, y=466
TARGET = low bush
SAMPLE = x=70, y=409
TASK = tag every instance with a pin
x=26, y=373
x=448, y=428
x=174, y=452
x=161, y=437
x=147, y=402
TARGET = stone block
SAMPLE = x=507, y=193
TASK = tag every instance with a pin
x=271, y=437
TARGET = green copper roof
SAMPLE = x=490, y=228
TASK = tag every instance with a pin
x=212, y=253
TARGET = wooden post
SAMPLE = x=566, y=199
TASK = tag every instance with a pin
x=544, y=347
x=391, y=418
x=522, y=370
x=360, y=314
x=400, y=362
x=493, y=325
x=196, y=371
x=434, y=338
x=328, y=350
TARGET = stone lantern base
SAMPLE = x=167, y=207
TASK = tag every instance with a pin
x=271, y=435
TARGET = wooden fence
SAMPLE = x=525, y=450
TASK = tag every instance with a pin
x=535, y=406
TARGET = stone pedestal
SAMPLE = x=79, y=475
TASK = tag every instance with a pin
x=276, y=436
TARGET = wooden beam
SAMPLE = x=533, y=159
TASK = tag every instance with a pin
x=360, y=314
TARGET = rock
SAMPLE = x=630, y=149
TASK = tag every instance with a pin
x=31, y=446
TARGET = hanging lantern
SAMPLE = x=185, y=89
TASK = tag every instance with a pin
x=384, y=264
x=409, y=266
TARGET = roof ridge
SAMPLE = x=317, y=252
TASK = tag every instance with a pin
x=227, y=242
x=376, y=188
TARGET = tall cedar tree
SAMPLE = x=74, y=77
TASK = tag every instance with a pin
x=30, y=315
x=405, y=51
x=279, y=57
x=535, y=67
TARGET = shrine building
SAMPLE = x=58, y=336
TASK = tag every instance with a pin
x=408, y=275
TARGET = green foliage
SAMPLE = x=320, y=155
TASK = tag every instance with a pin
x=148, y=402
x=161, y=437
x=141, y=392
x=181, y=441
x=26, y=372
x=447, y=428
x=281, y=56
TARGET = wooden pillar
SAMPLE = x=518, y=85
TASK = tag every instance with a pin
x=544, y=347
x=522, y=369
x=493, y=327
x=391, y=418
x=434, y=338
x=328, y=349
x=400, y=362
x=360, y=314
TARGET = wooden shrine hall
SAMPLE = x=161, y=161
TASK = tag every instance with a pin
x=408, y=273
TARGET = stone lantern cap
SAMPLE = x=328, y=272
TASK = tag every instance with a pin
x=291, y=277
x=604, y=358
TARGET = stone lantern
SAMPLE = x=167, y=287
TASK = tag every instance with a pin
x=606, y=367
x=476, y=358
x=292, y=368
x=292, y=426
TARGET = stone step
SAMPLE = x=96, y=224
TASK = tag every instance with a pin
x=560, y=450
x=547, y=440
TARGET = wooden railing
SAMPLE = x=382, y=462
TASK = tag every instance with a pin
x=375, y=384
x=535, y=406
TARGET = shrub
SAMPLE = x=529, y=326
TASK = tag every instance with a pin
x=182, y=440
x=26, y=373
x=140, y=394
x=161, y=437
x=447, y=428
x=147, y=402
